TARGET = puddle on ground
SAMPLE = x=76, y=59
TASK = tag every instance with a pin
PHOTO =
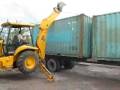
x=60, y=78
x=104, y=70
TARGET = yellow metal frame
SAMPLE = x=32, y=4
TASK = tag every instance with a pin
x=1, y=47
x=6, y=62
x=45, y=24
x=23, y=48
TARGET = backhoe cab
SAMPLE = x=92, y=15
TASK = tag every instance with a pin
x=16, y=49
x=15, y=40
x=14, y=35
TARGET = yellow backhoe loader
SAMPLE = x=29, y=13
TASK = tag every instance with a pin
x=16, y=52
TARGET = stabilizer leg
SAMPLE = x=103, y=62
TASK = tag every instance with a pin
x=45, y=71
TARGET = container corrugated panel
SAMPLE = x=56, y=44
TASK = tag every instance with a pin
x=106, y=37
x=69, y=37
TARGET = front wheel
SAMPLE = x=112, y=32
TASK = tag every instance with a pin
x=27, y=62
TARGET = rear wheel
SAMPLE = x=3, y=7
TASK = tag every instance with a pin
x=27, y=62
x=69, y=64
x=53, y=65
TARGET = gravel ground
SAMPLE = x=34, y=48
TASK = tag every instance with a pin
x=82, y=77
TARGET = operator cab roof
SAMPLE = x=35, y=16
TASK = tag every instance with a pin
x=17, y=25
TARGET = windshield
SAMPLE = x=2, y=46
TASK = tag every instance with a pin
x=8, y=34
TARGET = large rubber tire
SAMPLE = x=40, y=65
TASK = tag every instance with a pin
x=53, y=65
x=69, y=64
x=22, y=59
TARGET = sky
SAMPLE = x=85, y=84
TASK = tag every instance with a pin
x=35, y=10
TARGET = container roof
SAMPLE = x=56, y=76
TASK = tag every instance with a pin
x=17, y=25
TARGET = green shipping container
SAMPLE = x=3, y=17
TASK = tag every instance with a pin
x=106, y=37
x=69, y=37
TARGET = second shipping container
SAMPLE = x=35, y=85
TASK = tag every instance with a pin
x=106, y=37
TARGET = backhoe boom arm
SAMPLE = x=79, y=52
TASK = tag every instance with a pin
x=41, y=40
x=44, y=26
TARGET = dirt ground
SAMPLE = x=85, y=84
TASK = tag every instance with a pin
x=82, y=77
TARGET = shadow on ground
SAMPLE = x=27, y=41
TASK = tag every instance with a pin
x=18, y=76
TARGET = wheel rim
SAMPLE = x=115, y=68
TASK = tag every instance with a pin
x=30, y=63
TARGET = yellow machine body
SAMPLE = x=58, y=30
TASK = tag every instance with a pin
x=23, y=48
x=6, y=62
